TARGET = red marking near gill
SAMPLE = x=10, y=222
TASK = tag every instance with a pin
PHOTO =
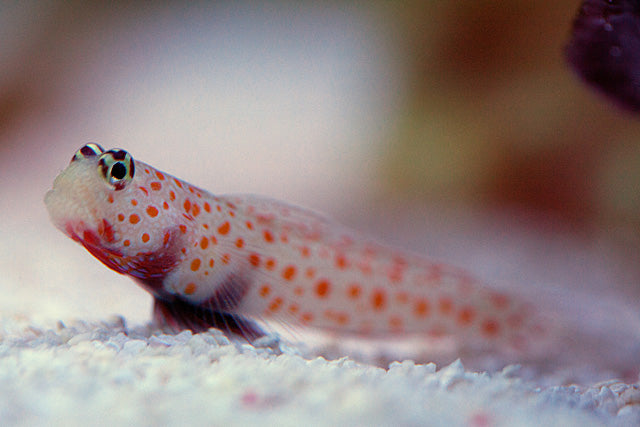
x=90, y=238
x=150, y=268
x=105, y=230
x=94, y=245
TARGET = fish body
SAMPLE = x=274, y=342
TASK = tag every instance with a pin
x=227, y=261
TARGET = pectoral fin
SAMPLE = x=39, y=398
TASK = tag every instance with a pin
x=177, y=314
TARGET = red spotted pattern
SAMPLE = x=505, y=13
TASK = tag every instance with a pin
x=297, y=266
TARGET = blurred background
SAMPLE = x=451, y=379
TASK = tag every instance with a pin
x=454, y=128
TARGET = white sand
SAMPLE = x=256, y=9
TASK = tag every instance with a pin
x=104, y=374
x=96, y=373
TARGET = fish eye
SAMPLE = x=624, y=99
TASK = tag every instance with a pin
x=88, y=150
x=117, y=168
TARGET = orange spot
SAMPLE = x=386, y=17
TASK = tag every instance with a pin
x=342, y=318
x=378, y=299
x=205, y=226
x=294, y=308
x=160, y=176
x=254, y=259
x=341, y=261
x=437, y=331
x=191, y=190
x=145, y=237
x=402, y=297
x=421, y=308
x=232, y=214
x=268, y=237
x=490, y=328
x=144, y=190
x=120, y=217
x=239, y=243
x=515, y=321
x=207, y=207
x=134, y=219
x=204, y=243
x=289, y=272
x=183, y=228
x=110, y=198
x=445, y=305
x=211, y=262
x=366, y=268
x=165, y=206
x=172, y=195
x=500, y=300
x=264, y=219
x=187, y=205
x=126, y=243
x=190, y=288
x=354, y=290
x=167, y=236
x=152, y=211
x=196, y=209
x=219, y=208
x=323, y=287
x=270, y=264
x=178, y=183
x=195, y=264
x=466, y=315
x=395, y=275
x=155, y=186
x=395, y=322
x=305, y=251
x=276, y=303
x=224, y=228
x=183, y=250
x=231, y=205
x=306, y=317
x=265, y=290
x=310, y=273
x=134, y=202
x=214, y=240
x=225, y=258
x=370, y=251
x=147, y=171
